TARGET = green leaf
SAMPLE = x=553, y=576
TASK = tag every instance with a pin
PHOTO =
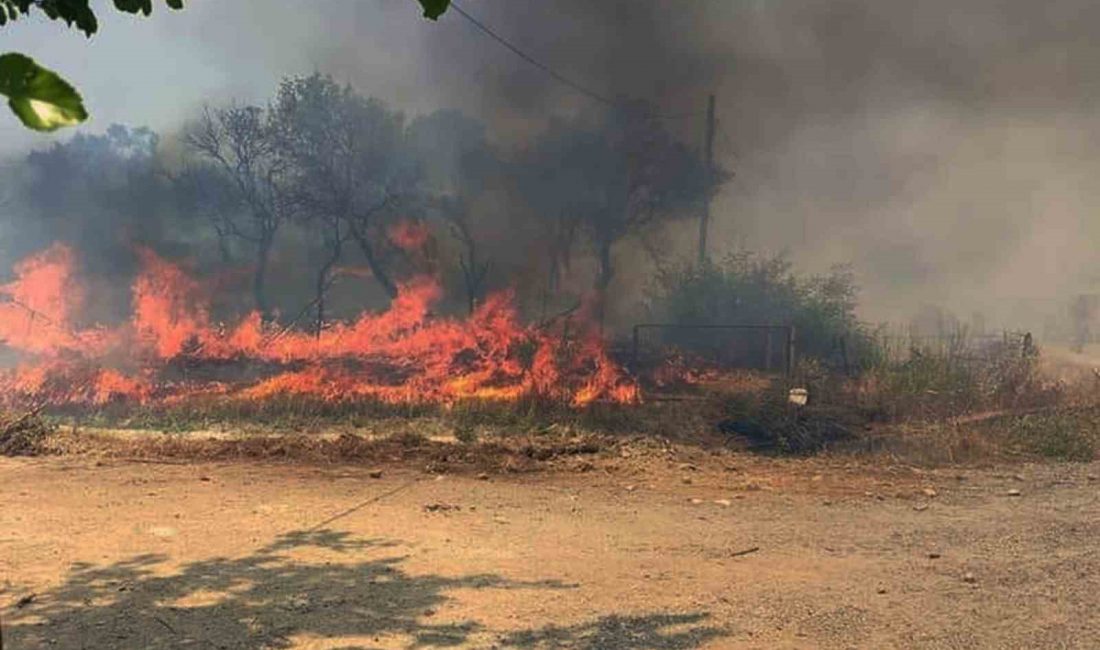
x=433, y=9
x=144, y=7
x=40, y=98
x=135, y=6
x=73, y=12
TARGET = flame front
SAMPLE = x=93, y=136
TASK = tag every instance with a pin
x=403, y=355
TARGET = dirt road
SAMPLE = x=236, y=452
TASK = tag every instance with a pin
x=115, y=554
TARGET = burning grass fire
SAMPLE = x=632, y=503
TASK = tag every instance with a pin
x=171, y=350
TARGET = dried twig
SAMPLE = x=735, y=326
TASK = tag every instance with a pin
x=746, y=551
x=165, y=624
x=556, y=317
x=283, y=331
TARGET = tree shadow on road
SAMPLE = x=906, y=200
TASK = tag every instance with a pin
x=258, y=601
x=275, y=596
x=650, y=632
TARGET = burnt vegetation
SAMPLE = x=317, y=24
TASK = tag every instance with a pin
x=496, y=273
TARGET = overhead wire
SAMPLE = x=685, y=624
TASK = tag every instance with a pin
x=528, y=58
x=559, y=77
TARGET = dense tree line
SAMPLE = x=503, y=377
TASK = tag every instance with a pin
x=325, y=167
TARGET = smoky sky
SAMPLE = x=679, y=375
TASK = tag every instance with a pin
x=946, y=150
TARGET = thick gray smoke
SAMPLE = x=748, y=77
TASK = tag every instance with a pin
x=944, y=148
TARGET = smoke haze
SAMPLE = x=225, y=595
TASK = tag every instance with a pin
x=944, y=149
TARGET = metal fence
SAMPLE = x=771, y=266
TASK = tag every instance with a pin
x=960, y=346
x=763, y=347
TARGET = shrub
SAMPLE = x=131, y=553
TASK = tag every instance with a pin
x=947, y=378
x=465, y=433
x=746, y=288
x=23, y=435
x=1062, y=434
x=772, y=424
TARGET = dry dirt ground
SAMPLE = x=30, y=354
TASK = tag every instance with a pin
x=121, y=554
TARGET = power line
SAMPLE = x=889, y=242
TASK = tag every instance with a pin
x=587, y=92
x=541, y=66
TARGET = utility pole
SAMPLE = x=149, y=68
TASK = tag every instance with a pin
x=708, y=146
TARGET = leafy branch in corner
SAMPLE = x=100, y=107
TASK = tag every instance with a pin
x=41, y=98
x=433, y=9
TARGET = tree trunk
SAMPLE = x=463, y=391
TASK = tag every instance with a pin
x=473, y=274
x=603, y=280
x=319, y=326
x=322, y=283
x=223, y=248
x=471, y=284
x=320, y=288
x=376, y=267
x=553, y=275
x=259, y=279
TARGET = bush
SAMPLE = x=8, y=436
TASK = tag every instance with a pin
x=465, y=433
x=23, y=436
x=772, y=424
x=1061, y=434
x=949, y=379
x=750, y=289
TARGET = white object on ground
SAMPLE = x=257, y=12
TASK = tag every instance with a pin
x=798, y=396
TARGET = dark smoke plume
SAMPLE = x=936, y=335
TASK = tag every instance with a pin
x=946, y=149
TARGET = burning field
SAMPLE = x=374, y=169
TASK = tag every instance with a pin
x=171, y=350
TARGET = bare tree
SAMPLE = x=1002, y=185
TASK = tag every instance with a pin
x=334, y=234
x=205, y=192
x=457, y=164
x=239, y=142
x=550, y=190
x=611, y=179
x=348, y=165
x=475, y=269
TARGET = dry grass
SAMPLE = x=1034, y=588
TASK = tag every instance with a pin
x=1070, y=433
x=926, y=387
x=25, y=434
x=928, y=409
x=933, y=406
x=929, y=444
x=519, y=454
x=691, y=418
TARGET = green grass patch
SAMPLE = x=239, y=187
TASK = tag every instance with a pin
x=1061, y=434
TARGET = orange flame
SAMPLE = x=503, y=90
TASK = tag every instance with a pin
x=36, y=308
x=402, y=355
x=409, y=235
x=167, y=312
